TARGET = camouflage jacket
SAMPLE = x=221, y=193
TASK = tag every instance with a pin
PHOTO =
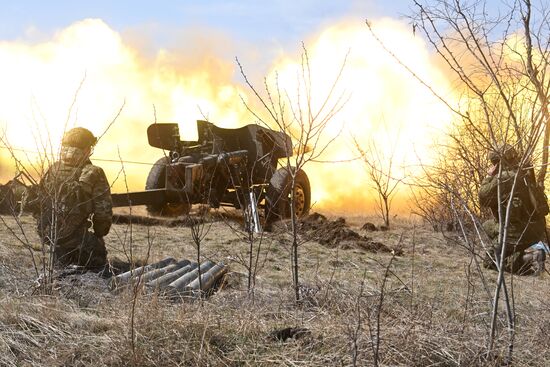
x=525, y=226
x=76, y=195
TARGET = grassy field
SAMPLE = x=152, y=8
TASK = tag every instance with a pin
x=426, y=307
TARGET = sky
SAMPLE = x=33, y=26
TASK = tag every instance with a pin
x=267, y=25
x=255, y=21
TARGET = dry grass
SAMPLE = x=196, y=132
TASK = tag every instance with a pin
x=432, y=314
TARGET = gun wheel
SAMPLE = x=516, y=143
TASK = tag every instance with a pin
x=299, y=200
x=278, y=195
x=157, y=180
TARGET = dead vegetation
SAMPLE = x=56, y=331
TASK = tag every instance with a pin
x=428, y=310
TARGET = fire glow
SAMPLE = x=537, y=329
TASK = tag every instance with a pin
x=41, y=80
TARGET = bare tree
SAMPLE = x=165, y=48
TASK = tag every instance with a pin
x=249, y=203
x=299, y=114
x=379, y=164
x=502, y=80
x=44, y=201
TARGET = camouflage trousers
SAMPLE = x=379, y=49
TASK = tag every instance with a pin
x=516, y=259
x=83, y=248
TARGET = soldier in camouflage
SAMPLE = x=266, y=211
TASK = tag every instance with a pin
x=76, y=196
x=525, y=227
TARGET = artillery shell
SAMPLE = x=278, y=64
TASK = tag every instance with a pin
x=124, y=278
x=168, y=278
x=208, y=279
x=179, y=284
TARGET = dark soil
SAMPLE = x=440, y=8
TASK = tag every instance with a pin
x=290, y=333
x=334, y=233
x=369, y=227
x=152, y=221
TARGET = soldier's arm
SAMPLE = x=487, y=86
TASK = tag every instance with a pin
x=488, y=191
x=93, y=179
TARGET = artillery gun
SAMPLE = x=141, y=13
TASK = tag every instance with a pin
x=225, y=167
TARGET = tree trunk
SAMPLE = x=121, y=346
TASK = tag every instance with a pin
x=387, y=212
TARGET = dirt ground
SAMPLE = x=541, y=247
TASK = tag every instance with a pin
x=403, y=297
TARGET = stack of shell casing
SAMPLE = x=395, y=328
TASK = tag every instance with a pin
x=173, y=278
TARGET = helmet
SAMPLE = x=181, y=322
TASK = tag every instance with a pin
x=79, y=137
x=504, y=152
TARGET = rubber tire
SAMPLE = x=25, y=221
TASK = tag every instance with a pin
x=278, y=194
x=157, y=180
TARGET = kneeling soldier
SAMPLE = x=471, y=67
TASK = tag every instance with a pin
x=74, y=196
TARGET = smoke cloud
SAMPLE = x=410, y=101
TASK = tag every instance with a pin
x=100, y=70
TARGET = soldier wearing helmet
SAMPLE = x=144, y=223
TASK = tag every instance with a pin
x=526, y=226
x=74, y=197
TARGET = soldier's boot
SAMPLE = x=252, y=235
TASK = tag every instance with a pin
x=539, y=257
